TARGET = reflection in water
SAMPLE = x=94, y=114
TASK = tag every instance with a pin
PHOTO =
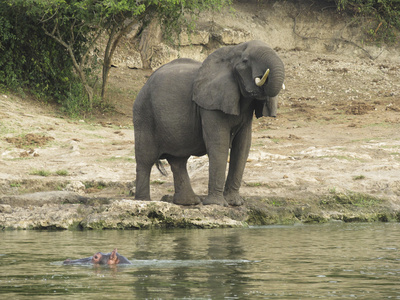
x=197, y=259
x=276, y=262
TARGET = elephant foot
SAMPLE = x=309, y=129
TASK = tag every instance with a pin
x=144, y=198
x=185, y=199
x=234, y=199
x=219, y=200
x=140, y=196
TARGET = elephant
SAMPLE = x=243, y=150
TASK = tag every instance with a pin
x=188, y=108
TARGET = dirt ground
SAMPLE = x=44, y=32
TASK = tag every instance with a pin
x=337, y=132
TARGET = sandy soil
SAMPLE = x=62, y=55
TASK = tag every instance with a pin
x=337, y=131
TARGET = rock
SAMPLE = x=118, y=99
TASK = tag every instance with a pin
x=150, y=39
x=42, y=198
x=231, y=36
x=133, y=214
x=45, y=217
x=149, y=214
x=74, y=148
x=134, y=60
x=76, y=186
x=199, y=37
x=4, y=208
x=162, y=54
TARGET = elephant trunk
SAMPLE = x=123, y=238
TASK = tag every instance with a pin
x=275, y=82
x=276, y=75
x=271, y=107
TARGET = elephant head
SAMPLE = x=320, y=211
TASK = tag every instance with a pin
x=248, y=71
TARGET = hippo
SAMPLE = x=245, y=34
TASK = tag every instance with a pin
x=100, y=258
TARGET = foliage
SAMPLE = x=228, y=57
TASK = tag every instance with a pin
x=30, y=59
x=384, y=17
x=51, y=46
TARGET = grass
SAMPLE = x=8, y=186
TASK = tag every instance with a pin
x=342, y=157
x=275, y=140
x=95, y=185
x=366, y=140
x=46, y=173
x=258, y=145
x=352, y=198
x=120, y=158
x=157, y=182
x=4, y=129
x=359, y=177
x=62, y=173
x=381, y=125
x=277, y=202
x=40, y=172
x=256, y=184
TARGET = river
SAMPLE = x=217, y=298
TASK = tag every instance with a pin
x=337, y=260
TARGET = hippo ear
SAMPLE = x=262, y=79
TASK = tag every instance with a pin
x=113, y=260
x=215, y=87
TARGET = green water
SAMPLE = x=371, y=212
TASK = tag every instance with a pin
x=357, y=261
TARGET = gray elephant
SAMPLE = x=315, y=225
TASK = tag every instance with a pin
x=191, y=108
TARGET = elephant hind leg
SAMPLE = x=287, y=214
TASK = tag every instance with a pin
x=184, y=194
x=143, y=171
x=146, y=156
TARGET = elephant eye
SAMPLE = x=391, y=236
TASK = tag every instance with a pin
x=245, y=60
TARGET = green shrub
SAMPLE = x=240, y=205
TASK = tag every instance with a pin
x=383, y=17
x=29, y=59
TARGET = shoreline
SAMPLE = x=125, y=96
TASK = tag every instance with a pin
x=64, y=210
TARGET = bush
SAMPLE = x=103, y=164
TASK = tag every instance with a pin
x=29, y=59
x=383, y=16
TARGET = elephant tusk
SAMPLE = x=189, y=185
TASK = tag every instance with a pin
x=260, y=82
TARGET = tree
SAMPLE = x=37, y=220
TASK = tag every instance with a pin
x=383, y=17
x=31, y=61
x=77, y=25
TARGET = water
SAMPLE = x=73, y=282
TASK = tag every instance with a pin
x=340, y=261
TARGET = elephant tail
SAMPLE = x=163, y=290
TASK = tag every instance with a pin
x=161, y=168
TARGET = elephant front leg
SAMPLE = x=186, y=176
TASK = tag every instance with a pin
x=238, y=158
x=184, y=194
x=217, y=139
x=217, y=167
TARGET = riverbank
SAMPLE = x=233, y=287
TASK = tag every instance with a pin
x=332, y=153
x=62, y=210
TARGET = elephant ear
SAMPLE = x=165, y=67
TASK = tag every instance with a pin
x=215, y=87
